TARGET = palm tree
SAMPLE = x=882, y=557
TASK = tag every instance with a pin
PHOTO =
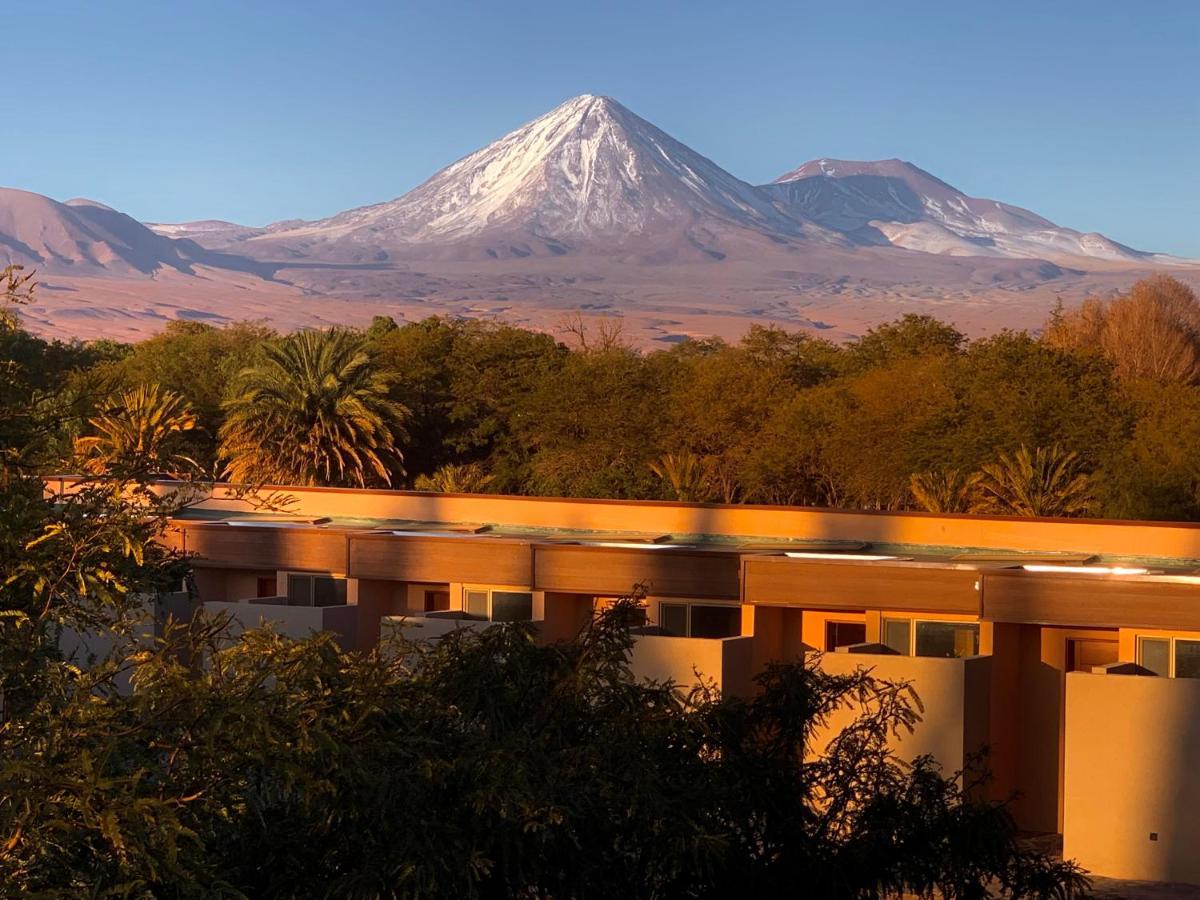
x=469, y=478
x=136, y=429
x=313, y=410
x=691, y=478
x=1049, y=481
x=943, y=490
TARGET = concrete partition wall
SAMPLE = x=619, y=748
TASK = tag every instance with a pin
x=1132, y=794
x=297, y=622
x=726, y=661
x=954, y=698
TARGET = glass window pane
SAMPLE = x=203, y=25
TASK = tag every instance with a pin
x=512, y=606
x=895, y=634
x=716, y=621
x=476, y=603
x=843, y=634
x=329, y=591
x=1155, y=655
x=673, y=618
x=299, y=590
x=1187, y=659
x=947, y=639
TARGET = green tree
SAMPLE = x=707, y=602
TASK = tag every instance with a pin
x=1048, y=481
x=138, y=430
x=1012, y=389
x=467, y=478
x=466, y=384
x=1155, y=474
x=283, y=769
x=687, y=477
x=911, y=335
x=314, y=410
x=194, y=360
x=944, y=490
x=592, y=426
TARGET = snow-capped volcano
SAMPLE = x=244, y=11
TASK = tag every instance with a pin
x=589, y=173
x=894, y=202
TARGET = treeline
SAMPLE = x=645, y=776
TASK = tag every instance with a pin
x=1099, y=414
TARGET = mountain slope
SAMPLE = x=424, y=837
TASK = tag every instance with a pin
x=86, y=238
x=80, y=236
x=589, y=175
x=892, y=202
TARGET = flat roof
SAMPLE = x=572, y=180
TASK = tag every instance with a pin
x=801, y=548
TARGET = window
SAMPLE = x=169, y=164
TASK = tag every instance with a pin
x=476, y=603
x=1155, y=655
x=512, y=606
x=436, y=601
x=844, y=634
x=950, y=640
x=897, y=634
x=1170, y=657
x=700, y=620
x=674, y=618
x=499, y=606
x=315, y=590
x=1187, y=659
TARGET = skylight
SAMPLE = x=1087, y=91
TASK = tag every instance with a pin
x=1089, y=570
x=635, y=545
x=856, y=557
x=263, y=523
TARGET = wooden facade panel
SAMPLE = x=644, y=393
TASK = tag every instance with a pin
x=248, y=547
x=614, y=571
x=440, y=560
x=781, y=581
x=1110, y=601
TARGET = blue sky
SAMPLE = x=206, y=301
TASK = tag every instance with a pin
x=254, y=111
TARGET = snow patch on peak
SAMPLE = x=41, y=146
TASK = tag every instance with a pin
x=908, y=207
x=589, y=168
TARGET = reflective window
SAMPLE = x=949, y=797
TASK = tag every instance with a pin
x=329, y=591
x=512, y=606
x=315, y=590
x=844, y=634
x=1187, y=659
x=476, y=603
x=1155, y=655
x=715, y=621
x=947, y=639
x=299, y=590
x=673, y=618
x=896, y=635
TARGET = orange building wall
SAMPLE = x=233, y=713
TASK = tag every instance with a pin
x=1131, y=772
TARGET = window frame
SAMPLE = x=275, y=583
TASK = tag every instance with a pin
x=914, y=623
x=1171, y=640
x=488, y=591
x=835, y=621
x=312, y=577
x=688, y=604
x=908, y=621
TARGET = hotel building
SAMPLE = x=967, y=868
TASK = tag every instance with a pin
x=1070, y=649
